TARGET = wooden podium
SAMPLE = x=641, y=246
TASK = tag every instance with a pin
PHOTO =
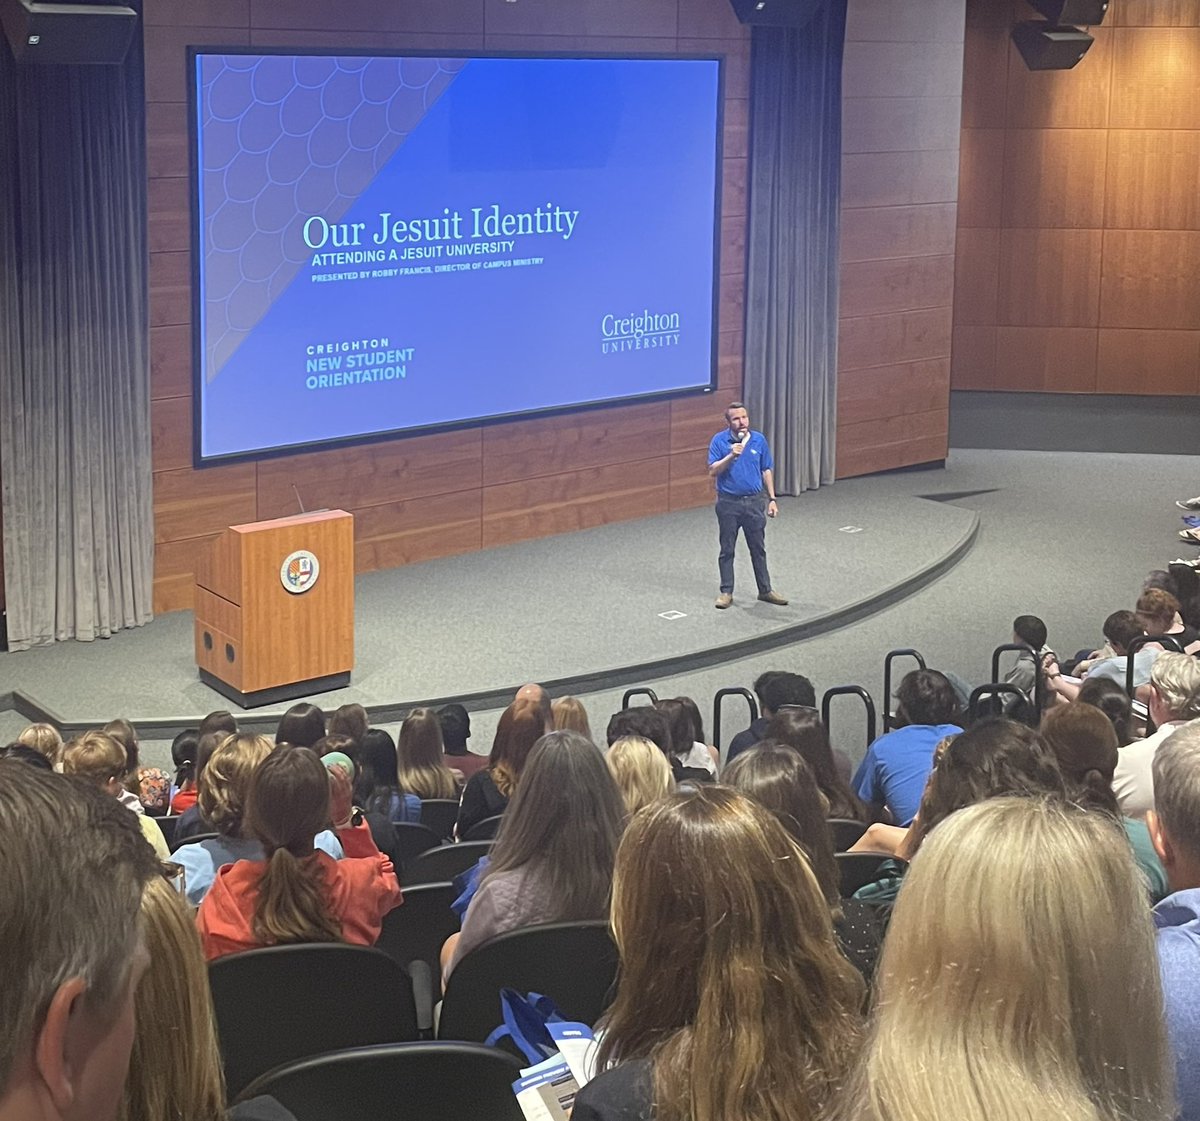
x=275, y=608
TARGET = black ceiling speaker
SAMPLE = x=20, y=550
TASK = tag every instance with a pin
x=1090, y=13
x=67, y=33
x=1044, y=46
x=777, y=13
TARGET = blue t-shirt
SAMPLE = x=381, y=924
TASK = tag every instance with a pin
x=1178, y=920
x=744, y=474
x=896, y=767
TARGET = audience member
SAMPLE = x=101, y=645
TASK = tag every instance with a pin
x=1017, y=979
x=456, y=730
x=223, y=793
x=569, y=715
x=775, y=689
x=733, y=1000
x=1174, y=700
x=349, y=720
x=1030, y=630
x=893, y=773
x=1120, y=629
x=690, y=761
x=301, y=726
x=175, y=1066
x=219, y=721
x=43, y=738
x=1157, y=611
x=1175, y=828
x=342, y=750
x=698, y=731
x=185, y=748
x=775, y=776
x=803, y=731
x=641, y=771
x=488, y=791
x=74, y=865
x=375, y=785
x=553, y=858
x=1085, y=745
x=98, y=759
x=151, y=786
x=298, y=894
x=191, y=820
x=640, y=720
x=420, y=769
x=1112, y=700
x=538, y=696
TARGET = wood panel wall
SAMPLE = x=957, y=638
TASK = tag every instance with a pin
x=428, y=496
x=902, y=95
x=1078, y=261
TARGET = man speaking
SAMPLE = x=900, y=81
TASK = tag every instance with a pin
x=740, y=460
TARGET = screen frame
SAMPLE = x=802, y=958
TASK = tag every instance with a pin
x=200, y=461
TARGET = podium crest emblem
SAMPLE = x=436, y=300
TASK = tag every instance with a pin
x=299, y=571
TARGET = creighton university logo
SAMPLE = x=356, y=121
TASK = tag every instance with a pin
x=299, y=571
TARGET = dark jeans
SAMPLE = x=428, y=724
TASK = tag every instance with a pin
x=748, y=513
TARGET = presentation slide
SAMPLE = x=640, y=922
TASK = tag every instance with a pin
x=392, y=244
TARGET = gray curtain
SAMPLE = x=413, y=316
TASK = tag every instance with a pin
x=792, y=282
x=74, y=377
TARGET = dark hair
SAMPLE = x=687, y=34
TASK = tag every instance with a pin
x=1085, y=745
x=301, y=726
x=126, y=735
x=1121, y=628
x=1106, y=695
x=697, y=719
x=1030, y=630
x=641, y=720
x=776, y=776
x=185, y=747
x=349, y=720
x=802, y=730
x=205, y=746
x=927, y=697
x=286, y=806
x=335, y=741
x=776, y=689
x=680, y=725
x=219, y=720
x=564, y=824
x=23, y=753
x=456, y=728
x=993, y=757
x=375, y=785
x=520, y=726
x=1187, y=590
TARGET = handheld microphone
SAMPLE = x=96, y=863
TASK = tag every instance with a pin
x=740, y=437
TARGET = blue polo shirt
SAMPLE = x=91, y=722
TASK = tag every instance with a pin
x=745, y=473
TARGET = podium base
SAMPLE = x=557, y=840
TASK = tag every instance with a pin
x=277, y=693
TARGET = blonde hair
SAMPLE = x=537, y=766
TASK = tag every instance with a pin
x=1176, y=678
x=641, y=770
x=1019, y=978
x=95, y=757
x=44, y=739
x=731, y=985
x=175, y=1064
x=225, y=781
x=570, y=716
x=420, y=769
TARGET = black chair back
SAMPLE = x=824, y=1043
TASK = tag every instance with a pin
x=484, y=830
x=718, y=699
x=888, y=659
x=845, y=832
x=441, y=864
x=416, y=930
x=857, y=869
x=573, y=963
x=423, y=1081
x=440, y=814
x=412, y=839
x=168, y=825
x=283, y=1003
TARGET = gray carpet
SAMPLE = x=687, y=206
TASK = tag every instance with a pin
x=1065, y=536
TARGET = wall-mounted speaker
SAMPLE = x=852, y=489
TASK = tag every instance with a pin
x=1045, y=46
x=1090, y=13
x=67, y=33
x=777, y=13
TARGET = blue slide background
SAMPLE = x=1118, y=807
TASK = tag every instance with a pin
x=630, y=144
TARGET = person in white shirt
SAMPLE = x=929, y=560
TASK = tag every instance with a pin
x=1174, y=701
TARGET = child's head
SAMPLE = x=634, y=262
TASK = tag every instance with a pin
x=97, y=758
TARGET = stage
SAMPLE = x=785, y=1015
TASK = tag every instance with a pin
x=599, y=608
